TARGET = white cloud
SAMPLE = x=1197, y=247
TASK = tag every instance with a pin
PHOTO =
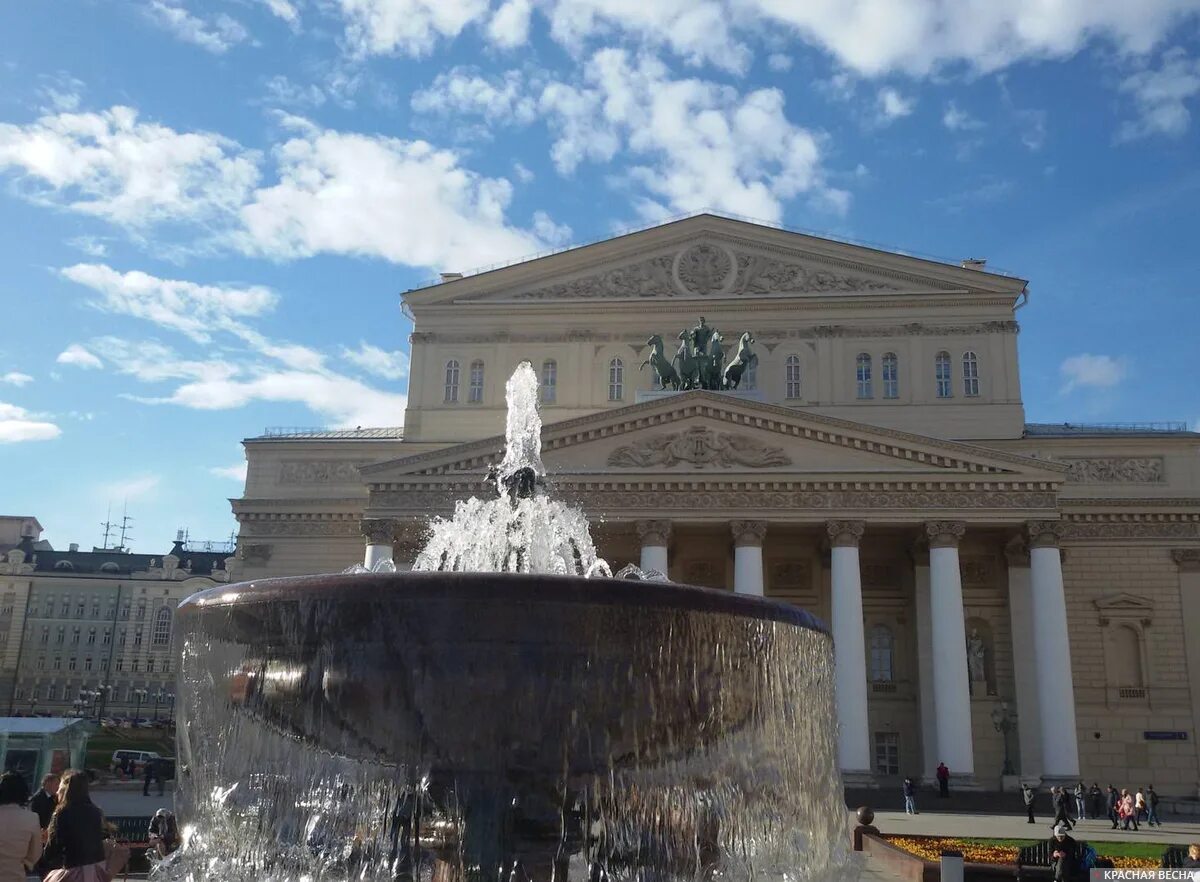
x=893, y=105
x=139, y=487
x=404, y=201
x=509, y=27
x=282, y=92
x=60, y=92
x=958, y=120
x=1092, y=372
x=217, y=34
x=373, y=360
x=92, y=246
x=152, y=362
x=235, y=472
x=409, y=27
x=523, y=173
x=463, y=90
x=548, y=231
x=78, y=356
x=285, y=10
x=1161, y=96
x=18, y=424
x=779, y=62
x=16, y=378
x=192, y=309
x=132, y=173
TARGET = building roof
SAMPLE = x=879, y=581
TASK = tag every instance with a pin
x=383, y=433
x=1079, y=430
x=121, y=563
x=42, y=725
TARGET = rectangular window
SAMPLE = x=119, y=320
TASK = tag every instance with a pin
x=57, y=664
x=137, y=666
x=549, y=382
x=45, y=635
x=125, y=610
x=87, y=664
x=49, y=692
x=891, y=376
x=887, y=753
x=95, y=607
x=66, y=607
x=79, y=608
x=149, y=666
x=970, y=375
x=71, y=663
x=41, y=664
x=107, y=636
x=476, y=391
x=793, y=376
x=616, y=380
x=74, y=636
x=104, y=664
x=60, y=635
x=120, y=664
x=166, y=667
x=91, y=636
x=942, y=374
x=862, y=374
x=137, y=636
x=121, y=638
x=141, y=610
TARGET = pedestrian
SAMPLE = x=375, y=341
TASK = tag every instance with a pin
x=910, y=797
x=20, y=832
x=943, y=779
x=1152, y=807
x=147, y=776
x=45, y=800
x=163, y=833
x=1139, y=804
x=1027, y=794
x=1080, y=808
x=1058, y=798
x=1192, y=861
x=1096, y=796
x=1064, y=850
x=1128, y=811
x=1114, y=805
x=75, y=838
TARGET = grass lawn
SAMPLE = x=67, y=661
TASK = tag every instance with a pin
x=1151, y=850
x=103, y=743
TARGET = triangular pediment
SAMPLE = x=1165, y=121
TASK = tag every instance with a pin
x=1123, y=602
x=696, y=434
x=709, y=257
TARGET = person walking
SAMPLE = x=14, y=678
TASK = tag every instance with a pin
x=1027, y=793
x=147, y=776
x=1139, y=805
x=45, y=800
x=910, y=797
x=1128, y=811
x=1096, y=797
x=1080, y=808
x=1152, y=807
x=1062, y=816
x=943, y=779
x=160, y=775
x=75, y=838
x=20, y=832
x=1114, y=806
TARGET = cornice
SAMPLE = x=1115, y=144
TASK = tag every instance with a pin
x=816, y=303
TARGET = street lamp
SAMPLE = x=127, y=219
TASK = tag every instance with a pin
x=102, y=691
x=78, y=704
x=1002, y=721
x=140, y=695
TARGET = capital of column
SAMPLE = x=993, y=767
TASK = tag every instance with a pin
x=379, y=531
x=1016, y=550
x=845, y=534
x=1044, y=534
x=748, y=533
x=654, y=532
x=945, y=534
x=1187, y=559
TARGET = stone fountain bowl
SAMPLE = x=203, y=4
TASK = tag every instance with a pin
x=490, y=674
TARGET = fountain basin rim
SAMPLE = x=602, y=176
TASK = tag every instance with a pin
x=494, y=587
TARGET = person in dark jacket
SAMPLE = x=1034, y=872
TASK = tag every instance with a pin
x=147, y=776
x=75, y=837
x=1192, y=861
x=164, y=833
x=1114, y=800
x=45, y=800
x=1064, y=852
x=943, y=779
x=1096, y=797
x=1062, y=815
x=910, y=797
x=1152, y=807
x=1028, y=794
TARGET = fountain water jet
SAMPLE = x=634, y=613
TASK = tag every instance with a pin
x=498, y=717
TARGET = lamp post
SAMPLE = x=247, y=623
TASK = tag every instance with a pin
x=102, y=691
x=169, y=698
x=159, y=698
x=140, y=695
x=78, y=704
x=1002, y=721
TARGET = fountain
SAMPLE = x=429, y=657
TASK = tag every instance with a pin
x=497, y=717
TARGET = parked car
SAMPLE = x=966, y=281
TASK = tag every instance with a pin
x=137, y=759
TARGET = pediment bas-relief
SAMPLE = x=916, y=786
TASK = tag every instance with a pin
x=710, y=268
x=1123, y=602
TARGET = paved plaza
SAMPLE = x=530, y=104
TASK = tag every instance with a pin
x=934, y=823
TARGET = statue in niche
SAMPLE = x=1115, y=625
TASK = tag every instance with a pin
x=976, y=656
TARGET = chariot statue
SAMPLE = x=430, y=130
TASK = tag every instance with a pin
x=699, y=360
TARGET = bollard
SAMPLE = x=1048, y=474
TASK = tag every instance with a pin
x=952, y=866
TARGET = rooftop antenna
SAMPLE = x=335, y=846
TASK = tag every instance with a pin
x=126, y=520
x=107, y=525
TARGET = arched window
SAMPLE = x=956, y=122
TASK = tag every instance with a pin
x=64, y=565
x=883, y=647
x=891, y=375
x=1126, y=657
x=863, y=373
x=970, y=374
x=549, y=381
x=162, y=626
x=616, y=380
x=792, y=376
x=452, y=382
x=475, y=393
x=941, y=370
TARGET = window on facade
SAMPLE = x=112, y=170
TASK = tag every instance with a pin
x=41, y=663
x=60, y=636
x=891, y=375
x=80, y=607
x=120, y=664
x=75, y=636
x=887, y=753
x=50, y=692
x=104, y=664
x=66, y=692
x=45, y=635
x=136, y=666
x=18, y=693
x=941, y=370
x=863, y=375
x=549, y=386
x=475, y=394
x=91, y=636
x=121, y=637
x=162, y=626
x=95, y=607
x=107, y=636
x=970, y=374
x=616, y=380
x=1126, y=657
x=791, y=376
x=66, y=607
x=71, y=663
x=882, y=652
x=58, y=663
x=137, y=636
x=166, y=666
x=125, y=610
x=452, y=382
x=149, y=666
x=87, y=664
x=141, y=611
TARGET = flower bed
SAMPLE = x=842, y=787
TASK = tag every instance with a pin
x=983, y=851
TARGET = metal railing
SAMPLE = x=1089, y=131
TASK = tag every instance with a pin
x=326, y=432
x=1130, y=428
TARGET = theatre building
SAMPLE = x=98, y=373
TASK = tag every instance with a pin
x=875, y=467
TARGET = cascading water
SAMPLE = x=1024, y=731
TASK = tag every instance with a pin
x=497, y=718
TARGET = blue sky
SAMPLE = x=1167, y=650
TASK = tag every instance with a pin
x=210, y=206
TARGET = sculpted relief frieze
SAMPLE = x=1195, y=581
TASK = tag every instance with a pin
x=1115, y=470
x=318, y=471
x=706, y=268
x=698, y=446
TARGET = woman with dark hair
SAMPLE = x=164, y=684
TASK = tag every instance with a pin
x=20, y=840
x=75, y=838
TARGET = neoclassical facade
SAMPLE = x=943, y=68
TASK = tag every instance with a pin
x=876, y=468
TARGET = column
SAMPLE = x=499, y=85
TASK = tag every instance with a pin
x=929, y=751
x=952, y=710
x=1052, y=655
x=1188, y=561
x=1025, y=673
x=655, y=536
x=379, y=533
x=849, y=648
x=747, y=556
